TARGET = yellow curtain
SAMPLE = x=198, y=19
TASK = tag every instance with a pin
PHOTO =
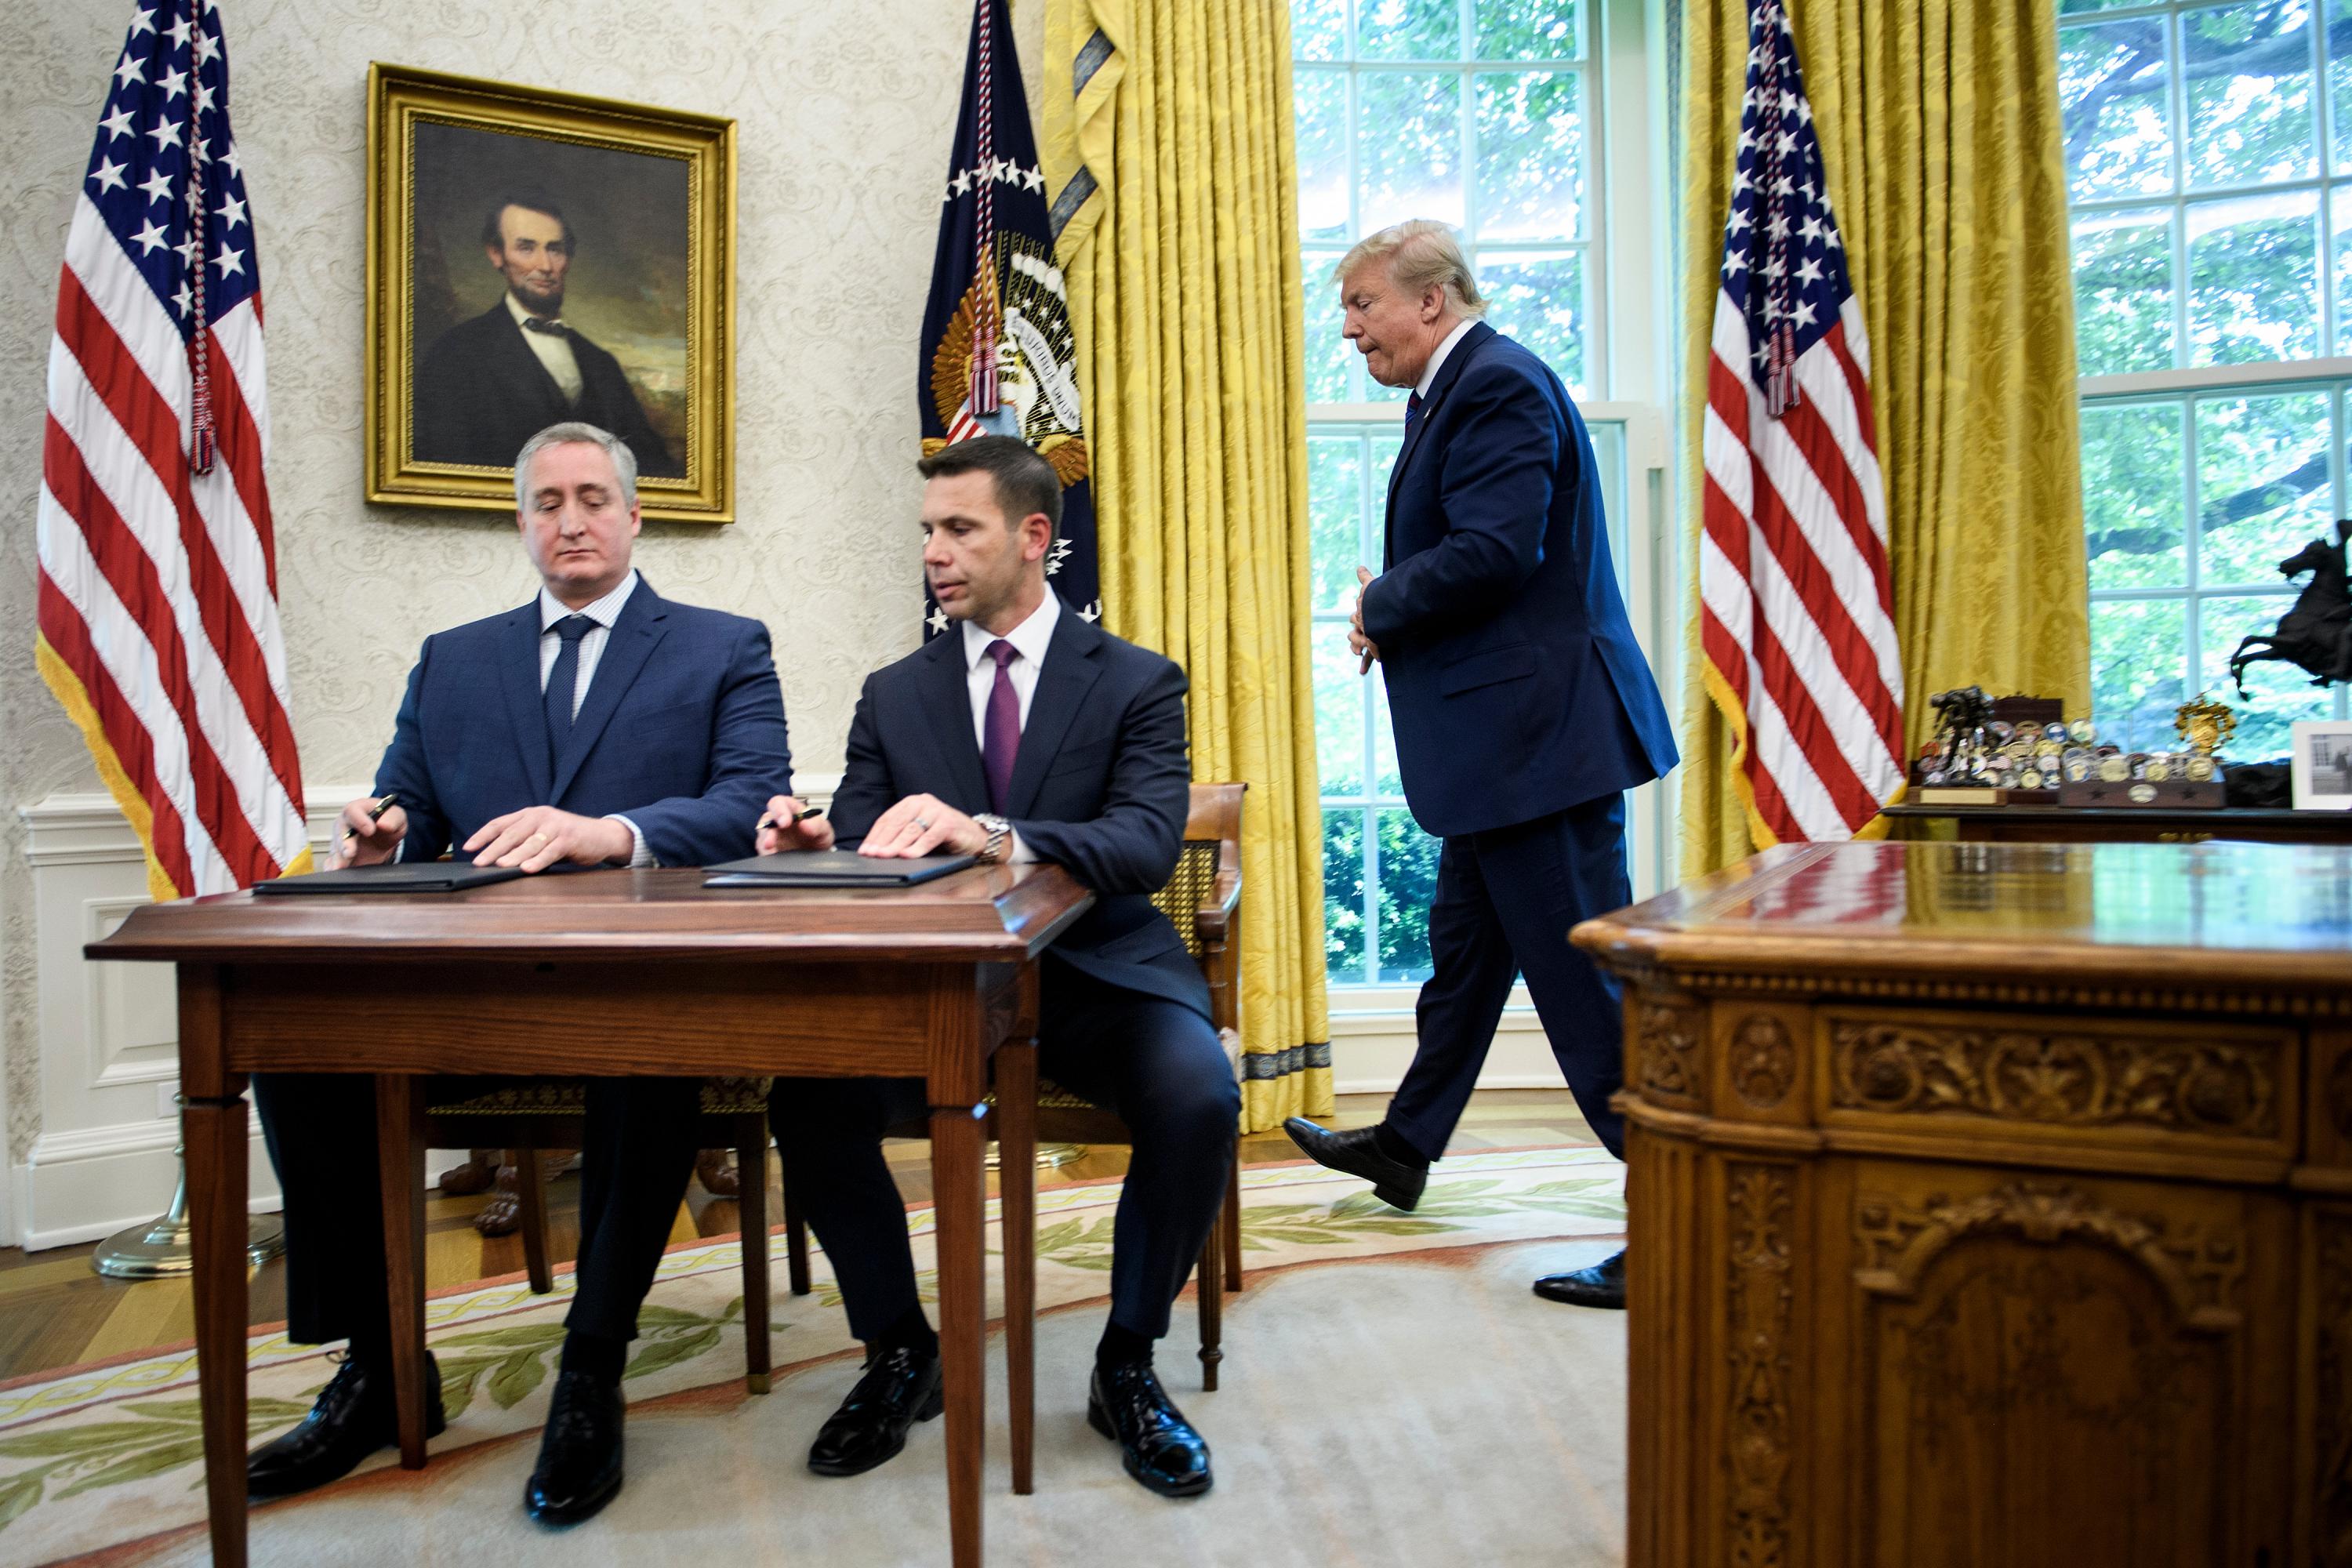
x=1166, y=136
x=1939, y=128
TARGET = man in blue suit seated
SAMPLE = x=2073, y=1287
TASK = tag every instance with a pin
x=1025, y=734
x=598, y=725
x=1523, y=708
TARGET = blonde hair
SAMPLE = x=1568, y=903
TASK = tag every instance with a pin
x=1420, y=253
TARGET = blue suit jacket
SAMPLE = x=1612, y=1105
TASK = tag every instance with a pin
x=1102, y=784
x=1516, y=684
x=682, y=729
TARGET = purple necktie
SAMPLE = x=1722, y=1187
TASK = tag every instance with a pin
x=1002, y=729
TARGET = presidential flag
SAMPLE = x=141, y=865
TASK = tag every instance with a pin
x=158, y=618
x=1797, y=610
x=999, y=357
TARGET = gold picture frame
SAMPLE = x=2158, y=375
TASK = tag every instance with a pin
x=607, y=229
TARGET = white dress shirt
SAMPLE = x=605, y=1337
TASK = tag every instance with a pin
x=603, y=613
x=554, y=349
x=1437, y=359
x=1030, y=640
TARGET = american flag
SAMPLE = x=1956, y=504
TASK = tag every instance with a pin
x=1797, y=611
x=159, y=584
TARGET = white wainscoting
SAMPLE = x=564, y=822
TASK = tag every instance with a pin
x=1372, y=1043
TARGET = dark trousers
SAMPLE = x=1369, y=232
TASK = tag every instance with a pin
x=321, y=1128
x=1506, y=899
x=1157, y=1063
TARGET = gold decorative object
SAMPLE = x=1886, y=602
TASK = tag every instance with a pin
x=2206, y=725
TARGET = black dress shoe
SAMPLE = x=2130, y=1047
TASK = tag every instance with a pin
x=1603, y=1284
x=1358, y=1152
x=900, y=1387
x=354, y=1416
x=1159, y=1447
x=579, y=1454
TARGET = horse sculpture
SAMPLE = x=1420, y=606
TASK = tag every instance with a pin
x=2315, y=634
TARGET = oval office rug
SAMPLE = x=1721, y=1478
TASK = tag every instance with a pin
x=1392, y=1394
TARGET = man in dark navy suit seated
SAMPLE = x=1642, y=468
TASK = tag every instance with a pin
x=1025, y=734
x=598, y=725
x=1523, y=710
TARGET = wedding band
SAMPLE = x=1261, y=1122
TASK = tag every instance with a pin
x=536, y=838
x=923, y=824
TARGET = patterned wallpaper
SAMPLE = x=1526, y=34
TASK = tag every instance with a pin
x=844, y=114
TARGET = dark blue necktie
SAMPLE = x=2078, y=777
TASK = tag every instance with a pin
x=1412, y=415
x=563, y=679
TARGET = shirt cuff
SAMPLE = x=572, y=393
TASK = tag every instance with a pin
x=641, y=856
x=1022, y=854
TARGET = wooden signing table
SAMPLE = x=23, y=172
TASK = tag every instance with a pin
x=608, y=973
x=1990, y=1203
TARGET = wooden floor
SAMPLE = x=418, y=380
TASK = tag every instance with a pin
x=55, y=1311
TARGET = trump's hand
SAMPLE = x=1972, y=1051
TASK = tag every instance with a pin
x=367, y=840
x=779, y=831
x=539, y=836
x=1358, y=643
x=923, y=825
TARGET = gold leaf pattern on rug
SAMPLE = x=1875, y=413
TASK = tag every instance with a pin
x=89, y=1461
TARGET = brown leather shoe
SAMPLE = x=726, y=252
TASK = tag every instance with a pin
x=1603, y=1284
x=714, y=1169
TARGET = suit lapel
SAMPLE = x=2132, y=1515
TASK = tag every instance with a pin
x=628, y=646
x=948, y=697
x=1447, y=375
x=1062, y=684
x=518, y=678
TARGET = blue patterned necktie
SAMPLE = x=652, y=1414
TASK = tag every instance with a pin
x=563, y=679
x=1412, y=415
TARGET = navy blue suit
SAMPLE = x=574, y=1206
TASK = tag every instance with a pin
x=1523, y=710
x=1101, y=786
x=682, y=729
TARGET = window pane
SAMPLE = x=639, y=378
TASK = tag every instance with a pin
x=1384, y=455
x=2139, y=661
x=1539, y=301
x=1319, y=29
x=2123, y=291
x=2069, y=7
x=1530, y=156
x=1343, y=895
x=1338, y=710
x=2277, y=693
x=1409, y=30
x=1330, y=362
x=1408, y=887
x=2340, y=263
x=2254, y=279
x=1529, y=31
x=2114, y=108
x=1386, y=780
x=2263, y=486
x=1322, y=112
x=2339, y=81
x=1408, y=146
x=2133, y=495
x=1335, y=509
x=2246, y=70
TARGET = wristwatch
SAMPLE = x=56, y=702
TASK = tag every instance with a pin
x=999, y=839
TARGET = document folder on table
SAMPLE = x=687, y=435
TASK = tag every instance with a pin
x=829, y=869
x=425, y=877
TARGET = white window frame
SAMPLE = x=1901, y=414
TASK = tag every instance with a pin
x=2184, y=384
x=1630, y=214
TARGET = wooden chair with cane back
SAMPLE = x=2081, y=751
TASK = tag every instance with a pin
x=1203, y=901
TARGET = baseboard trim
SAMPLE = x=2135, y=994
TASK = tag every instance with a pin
x=88, y=1183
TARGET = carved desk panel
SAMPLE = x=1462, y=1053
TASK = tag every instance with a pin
x=1991, y=1204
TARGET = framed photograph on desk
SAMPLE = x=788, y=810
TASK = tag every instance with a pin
x=2323, y=765
x=534, y=257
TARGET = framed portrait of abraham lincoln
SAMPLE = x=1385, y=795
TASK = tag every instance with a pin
x=535, y=256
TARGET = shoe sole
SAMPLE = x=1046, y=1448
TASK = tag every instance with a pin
x=1396, y=1197
x=1101, y=1423
x=930, y=1411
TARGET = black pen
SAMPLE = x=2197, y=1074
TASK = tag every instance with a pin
x=768, y=822
x=391, y=798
